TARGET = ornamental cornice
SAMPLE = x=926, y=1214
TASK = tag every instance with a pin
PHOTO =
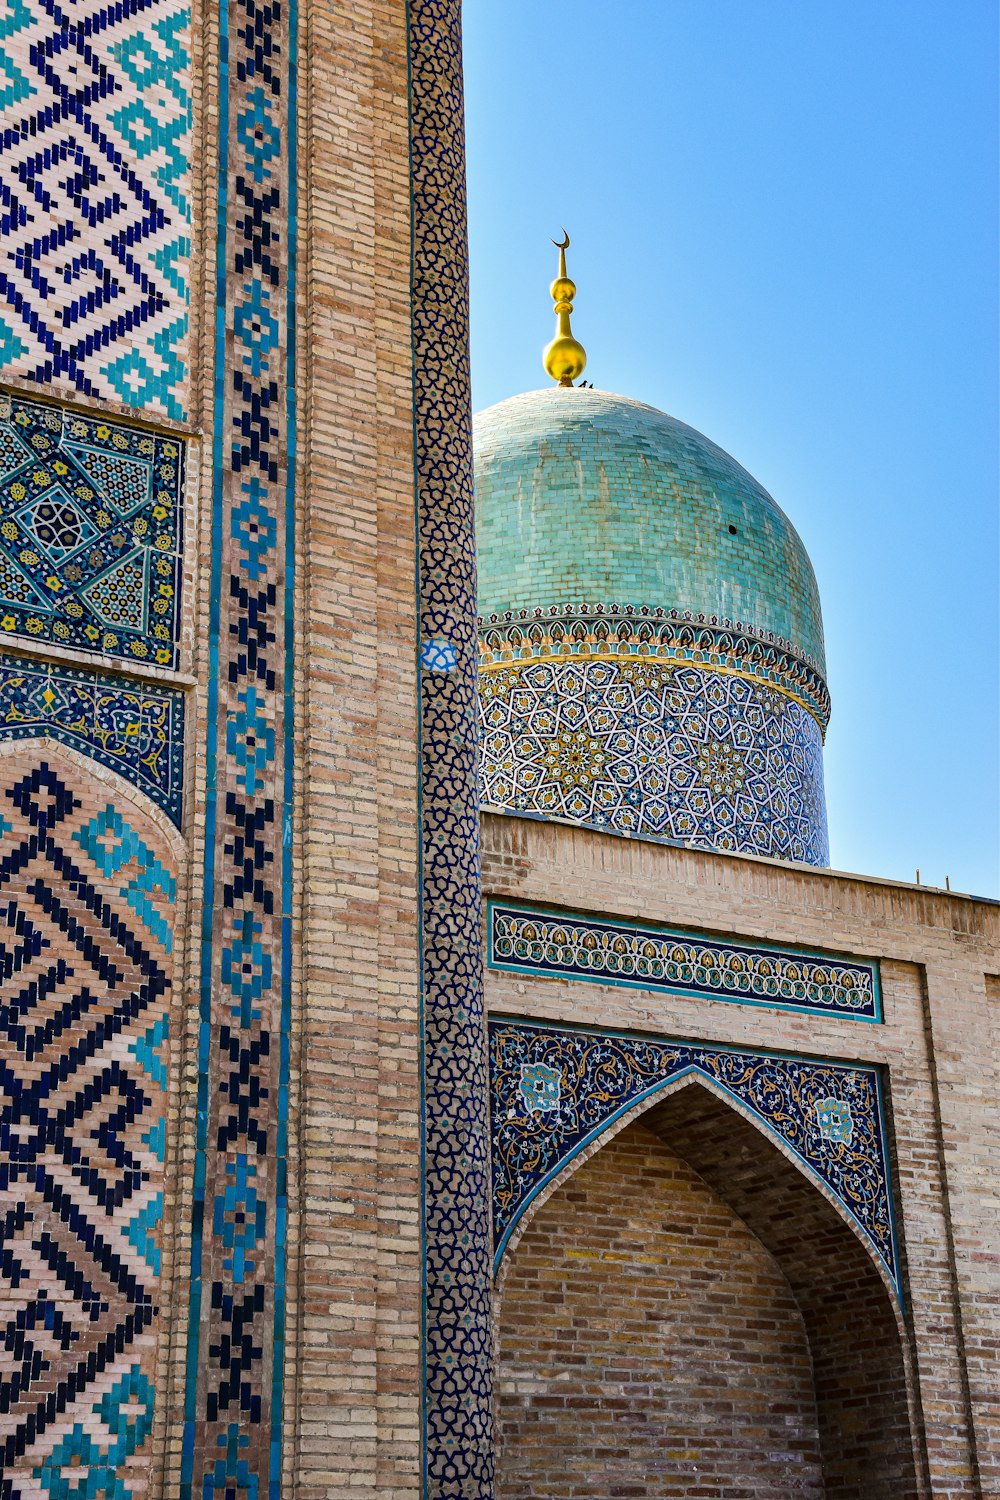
x=585, y=632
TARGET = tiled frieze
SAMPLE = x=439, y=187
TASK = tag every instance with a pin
x=91, y=530
x=527, y=941
x=236, y=1335
x=458, y=1417
x=134, y=728
x=554, y=1090
x=86, y=908
x=96, y=202
x=585, y=632
x=671, y=749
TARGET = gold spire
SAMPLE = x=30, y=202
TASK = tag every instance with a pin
x=564, y=358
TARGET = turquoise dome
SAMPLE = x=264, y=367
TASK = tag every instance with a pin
x=587, y=497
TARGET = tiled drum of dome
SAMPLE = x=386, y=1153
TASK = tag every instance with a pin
x=91, y=519
x=85, y=981
x=96, y=201
x=651, y=652
x=662, y=748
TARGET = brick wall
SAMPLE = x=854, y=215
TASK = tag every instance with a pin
x=852, y=1325
x=650, y=1344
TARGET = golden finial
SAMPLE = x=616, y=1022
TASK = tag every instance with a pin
x=564, y=359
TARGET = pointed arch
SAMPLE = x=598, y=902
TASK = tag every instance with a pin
x=868, y=1424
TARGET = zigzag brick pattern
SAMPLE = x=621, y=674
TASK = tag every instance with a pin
x=95, y=200
x=233, y=1416
x=86, y=897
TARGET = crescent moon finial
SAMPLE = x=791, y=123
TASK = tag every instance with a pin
x=565, y=357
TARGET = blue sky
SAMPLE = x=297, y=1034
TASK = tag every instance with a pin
x=784, y=222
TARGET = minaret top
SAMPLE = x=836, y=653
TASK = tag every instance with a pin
x=564, y=358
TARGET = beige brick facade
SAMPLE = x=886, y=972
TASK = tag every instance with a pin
x=306, y=1310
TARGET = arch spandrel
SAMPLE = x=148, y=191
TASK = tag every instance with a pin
x=558, y=1092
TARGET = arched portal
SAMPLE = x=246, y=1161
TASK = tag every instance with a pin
x=687, y=1314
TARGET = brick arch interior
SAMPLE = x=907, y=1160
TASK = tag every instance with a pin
x=686, y=1314
x=88, y=888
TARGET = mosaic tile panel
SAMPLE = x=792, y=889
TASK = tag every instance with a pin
x=85, y=967
x=95, y=206
x=525, y=941
x=554, y=1090
x=458, y=1421
x=669, y=750
x=236, y=1340
x=91, y=522
x=133, y=728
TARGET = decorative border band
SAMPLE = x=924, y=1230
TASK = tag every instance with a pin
x=134, y=728
x=523, y=940
x=555, y=1090
x=236, y=1333
x=599, y=631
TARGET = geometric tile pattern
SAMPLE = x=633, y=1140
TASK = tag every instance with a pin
x=91, y=517
x=94, y=199
x=523, y=941
x=134, y=728
x=829, y=1115
x=85, y=940
x=601, y=631
x=236, y=1353
x=458, y=1419
x=670, y=750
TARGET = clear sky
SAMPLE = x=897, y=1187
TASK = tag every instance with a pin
x=784, y=222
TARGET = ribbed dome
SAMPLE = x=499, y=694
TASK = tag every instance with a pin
x=587, y=497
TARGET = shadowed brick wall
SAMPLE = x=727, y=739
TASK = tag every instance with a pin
x=853, y=1335
x=650, y=1345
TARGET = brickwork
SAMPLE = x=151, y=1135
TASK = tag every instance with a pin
x=650, y=1345
x=354, y=1188
x=855, y=1331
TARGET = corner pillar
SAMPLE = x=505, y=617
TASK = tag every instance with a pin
x=458, y=1427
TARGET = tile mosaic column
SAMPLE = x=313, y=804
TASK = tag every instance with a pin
x=458, y=1393
x=233, y=1401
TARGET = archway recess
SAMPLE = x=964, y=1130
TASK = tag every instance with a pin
x=689, y=1246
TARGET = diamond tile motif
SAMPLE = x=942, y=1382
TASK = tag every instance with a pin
x=85, y=981
x=91, y=519
x=96, y=212
x=236, y=1342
